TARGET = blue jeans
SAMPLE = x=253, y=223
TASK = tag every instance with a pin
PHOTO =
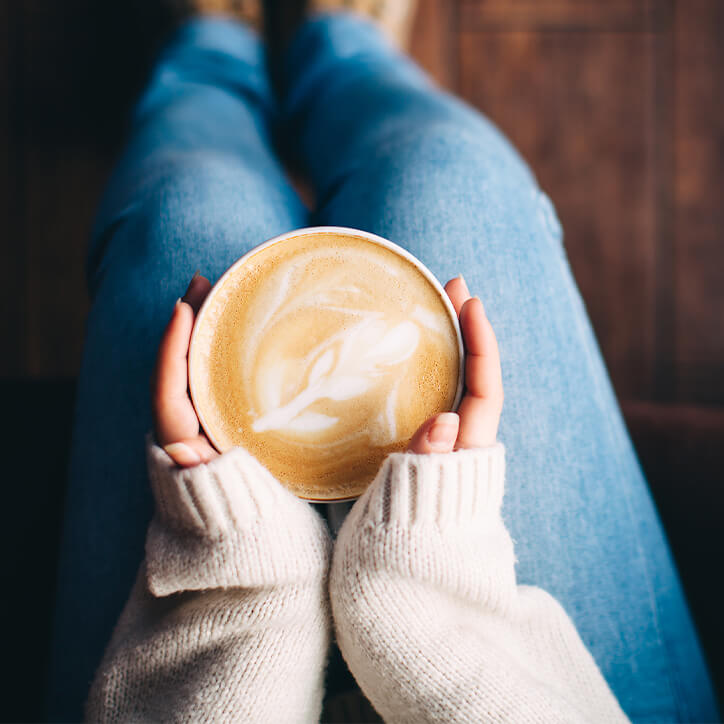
x=198, y=185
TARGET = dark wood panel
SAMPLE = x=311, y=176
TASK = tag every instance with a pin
x=32, y=566
x=83, y=63
x=62, y=190
x=661, y=134
x=578, y=106
x=11, y=256
x=434, y=40
x=699, y=224
x=80, y=63
x=559, y=14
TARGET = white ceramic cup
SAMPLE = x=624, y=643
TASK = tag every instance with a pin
x=316, y=230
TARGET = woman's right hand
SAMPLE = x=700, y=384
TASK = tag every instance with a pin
x=176, y=424
x=475, y=424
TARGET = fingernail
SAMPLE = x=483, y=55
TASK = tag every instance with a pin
x=178, y=301
x=481, y=303
x=442, y=434
x=465, y=284
x=197, y=273
x=182, y=453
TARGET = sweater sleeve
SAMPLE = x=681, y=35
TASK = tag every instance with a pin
x=228, y=619
x=428, y=614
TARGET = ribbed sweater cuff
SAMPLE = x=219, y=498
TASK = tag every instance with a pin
x=229, y=522
x=435, y=518
x=451, y=490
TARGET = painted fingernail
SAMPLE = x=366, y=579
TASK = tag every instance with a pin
x=465, y=284
x=182, y=454
x=442, y=434
x=196, y=275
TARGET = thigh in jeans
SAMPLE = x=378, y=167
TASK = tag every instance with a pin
x=204, y=214
x=577, y=504
x=196, y=188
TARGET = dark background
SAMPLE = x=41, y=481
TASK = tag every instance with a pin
x=617, y=105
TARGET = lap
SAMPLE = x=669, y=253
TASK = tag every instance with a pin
x=577, y=504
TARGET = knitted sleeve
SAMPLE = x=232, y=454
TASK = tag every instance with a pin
x=228, y=619
x=428, y=614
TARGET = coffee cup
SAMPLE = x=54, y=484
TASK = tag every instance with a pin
x=320, y=352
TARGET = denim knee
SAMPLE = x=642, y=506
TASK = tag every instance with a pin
x=203, y=205
x=199, y=211
x=446, y=178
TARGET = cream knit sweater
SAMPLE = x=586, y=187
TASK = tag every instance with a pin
x=230, y=620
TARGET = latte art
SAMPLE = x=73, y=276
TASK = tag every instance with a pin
x=346, y=366
x=320, y=354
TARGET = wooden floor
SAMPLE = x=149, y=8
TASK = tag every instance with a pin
x=617, y=106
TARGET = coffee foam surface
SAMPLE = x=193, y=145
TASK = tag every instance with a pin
x=320, y=355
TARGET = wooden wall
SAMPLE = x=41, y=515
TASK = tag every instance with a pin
x=616, y=105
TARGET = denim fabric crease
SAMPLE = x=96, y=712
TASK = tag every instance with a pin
x=199, y=183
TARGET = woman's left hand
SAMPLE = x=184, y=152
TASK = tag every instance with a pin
x=176, y=424
x=475, y=424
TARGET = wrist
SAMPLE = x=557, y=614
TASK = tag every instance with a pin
x=435, y=519
x=228, y=522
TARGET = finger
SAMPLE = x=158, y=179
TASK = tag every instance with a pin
x=458, y=292
x=479, y=420
x=191, y=451
x=173, y=413
x=481, y=407
x=483, y=376
x=171, y=371
x=175, y=419
x=435, y=435
x=197, y=291
x=170, y=375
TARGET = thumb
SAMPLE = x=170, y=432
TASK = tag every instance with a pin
x=436, y=435
x=191, y=451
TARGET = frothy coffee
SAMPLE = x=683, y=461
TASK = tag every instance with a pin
x=320, y=354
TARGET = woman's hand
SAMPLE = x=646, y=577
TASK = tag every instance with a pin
x=476, y=422
x=176, y=423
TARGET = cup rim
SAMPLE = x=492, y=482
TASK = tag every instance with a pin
x=342, y=231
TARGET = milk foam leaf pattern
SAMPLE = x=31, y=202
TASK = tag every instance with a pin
x=311, y=422
x=322, y=366
x=343, y=387
x=271, y=390
x=397, y=345
x=367, y=348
